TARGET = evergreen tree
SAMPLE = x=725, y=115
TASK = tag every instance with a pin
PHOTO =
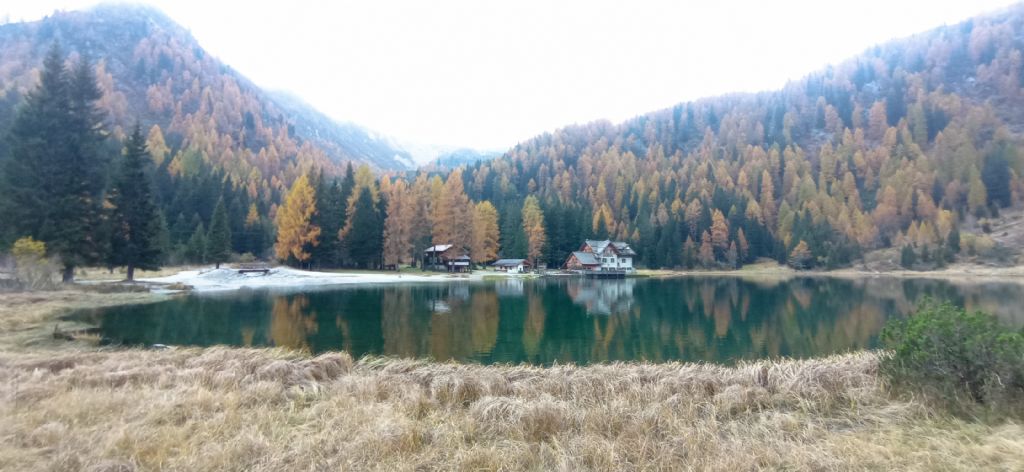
x=330, y=217
x=218, y=241
x=136, y=225
x=195, y=249
x=55, y=175
x=364, y=239
x=907, y=257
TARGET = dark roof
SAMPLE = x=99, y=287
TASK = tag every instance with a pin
x=586, y=258
x=620, y=247
x=510, y=262
x=460, y=258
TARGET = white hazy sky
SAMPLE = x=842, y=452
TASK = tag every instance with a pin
x=491, y=74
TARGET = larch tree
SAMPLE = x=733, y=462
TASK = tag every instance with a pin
x=135, y=221
x=485, y=233
x=533, y=227
x=719, y=232
x=397, y=225
x=453, y=214
x=295, y=229
x=218, y=241
x=706, y=254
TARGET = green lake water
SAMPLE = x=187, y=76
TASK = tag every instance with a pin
x=542, y=321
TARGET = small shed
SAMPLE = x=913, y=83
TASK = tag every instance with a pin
x=513, y=266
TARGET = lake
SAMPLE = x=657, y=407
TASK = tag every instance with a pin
x=543, y=321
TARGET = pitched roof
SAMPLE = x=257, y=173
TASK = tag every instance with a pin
x=620, y=247
x=586, y=258
x=623, y=248
x=509, y=262
x=438, y=248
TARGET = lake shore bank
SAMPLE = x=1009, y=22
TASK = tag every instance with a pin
x=208, y=279
x=73, y=406
x=954, y=272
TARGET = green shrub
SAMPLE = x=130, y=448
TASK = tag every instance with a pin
x=959, y=358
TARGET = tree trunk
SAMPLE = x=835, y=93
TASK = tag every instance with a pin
x=68, y=276
x=131, y=273
x=217, y=266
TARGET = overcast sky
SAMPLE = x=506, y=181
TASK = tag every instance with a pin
x=491, y=74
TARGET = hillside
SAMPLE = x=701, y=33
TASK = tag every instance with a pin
x=900, y=146
x=153, y=71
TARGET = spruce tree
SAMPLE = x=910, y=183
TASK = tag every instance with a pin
x=330, y=216
x=55, y=176
x=365, y=240
x=218, y=241
x=195, y=249
x=135, y=222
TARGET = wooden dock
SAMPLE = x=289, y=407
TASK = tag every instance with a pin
x=604, y=274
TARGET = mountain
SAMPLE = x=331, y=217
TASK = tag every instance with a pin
x=905, y=146
x=153, y=71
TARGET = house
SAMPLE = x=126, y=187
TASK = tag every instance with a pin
x=602, y=256
x=445, y=257
x=513, y=266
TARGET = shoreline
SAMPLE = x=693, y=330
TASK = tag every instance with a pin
x=208, y=279
x=273, y=409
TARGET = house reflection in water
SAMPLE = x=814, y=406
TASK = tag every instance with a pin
x=602, y=297
x=511, y=287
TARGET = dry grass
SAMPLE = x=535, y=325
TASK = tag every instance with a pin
x=239, y=409
x=27, y=319
x=70, y=407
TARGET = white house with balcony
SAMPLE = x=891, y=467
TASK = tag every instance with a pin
x=602, y=256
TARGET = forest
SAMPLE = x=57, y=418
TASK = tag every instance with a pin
x=898, y=147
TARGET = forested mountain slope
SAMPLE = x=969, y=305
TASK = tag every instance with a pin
x=896, y=147
x=153, y=71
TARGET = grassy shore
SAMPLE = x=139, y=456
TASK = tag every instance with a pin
x=69, y=406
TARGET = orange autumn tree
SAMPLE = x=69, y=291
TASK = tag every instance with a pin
x=485, y=233
x=294, y=227
x=533, y=227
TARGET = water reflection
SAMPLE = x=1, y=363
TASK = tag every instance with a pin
x=544, y=321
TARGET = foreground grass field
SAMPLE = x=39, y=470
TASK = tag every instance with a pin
x=67, y=406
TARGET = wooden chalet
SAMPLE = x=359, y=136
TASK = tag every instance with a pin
x=444, y=257
x=602, y=256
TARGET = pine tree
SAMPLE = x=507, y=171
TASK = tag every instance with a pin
x=364, y=239
x=218, y=241
x=55, y=175
x=295, y=230
x=195, y=249
x=135, y=223
x=907, y=257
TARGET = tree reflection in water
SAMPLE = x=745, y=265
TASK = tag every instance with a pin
x=719, y=319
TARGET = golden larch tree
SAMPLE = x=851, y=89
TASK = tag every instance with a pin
x=397, y=230
x=533, y=227
x=294, y=227
x=452, y=214
x=485, y=233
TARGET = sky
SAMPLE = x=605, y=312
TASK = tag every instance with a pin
x=491, y=74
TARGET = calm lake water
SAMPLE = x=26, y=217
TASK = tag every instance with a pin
x=543, y=321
